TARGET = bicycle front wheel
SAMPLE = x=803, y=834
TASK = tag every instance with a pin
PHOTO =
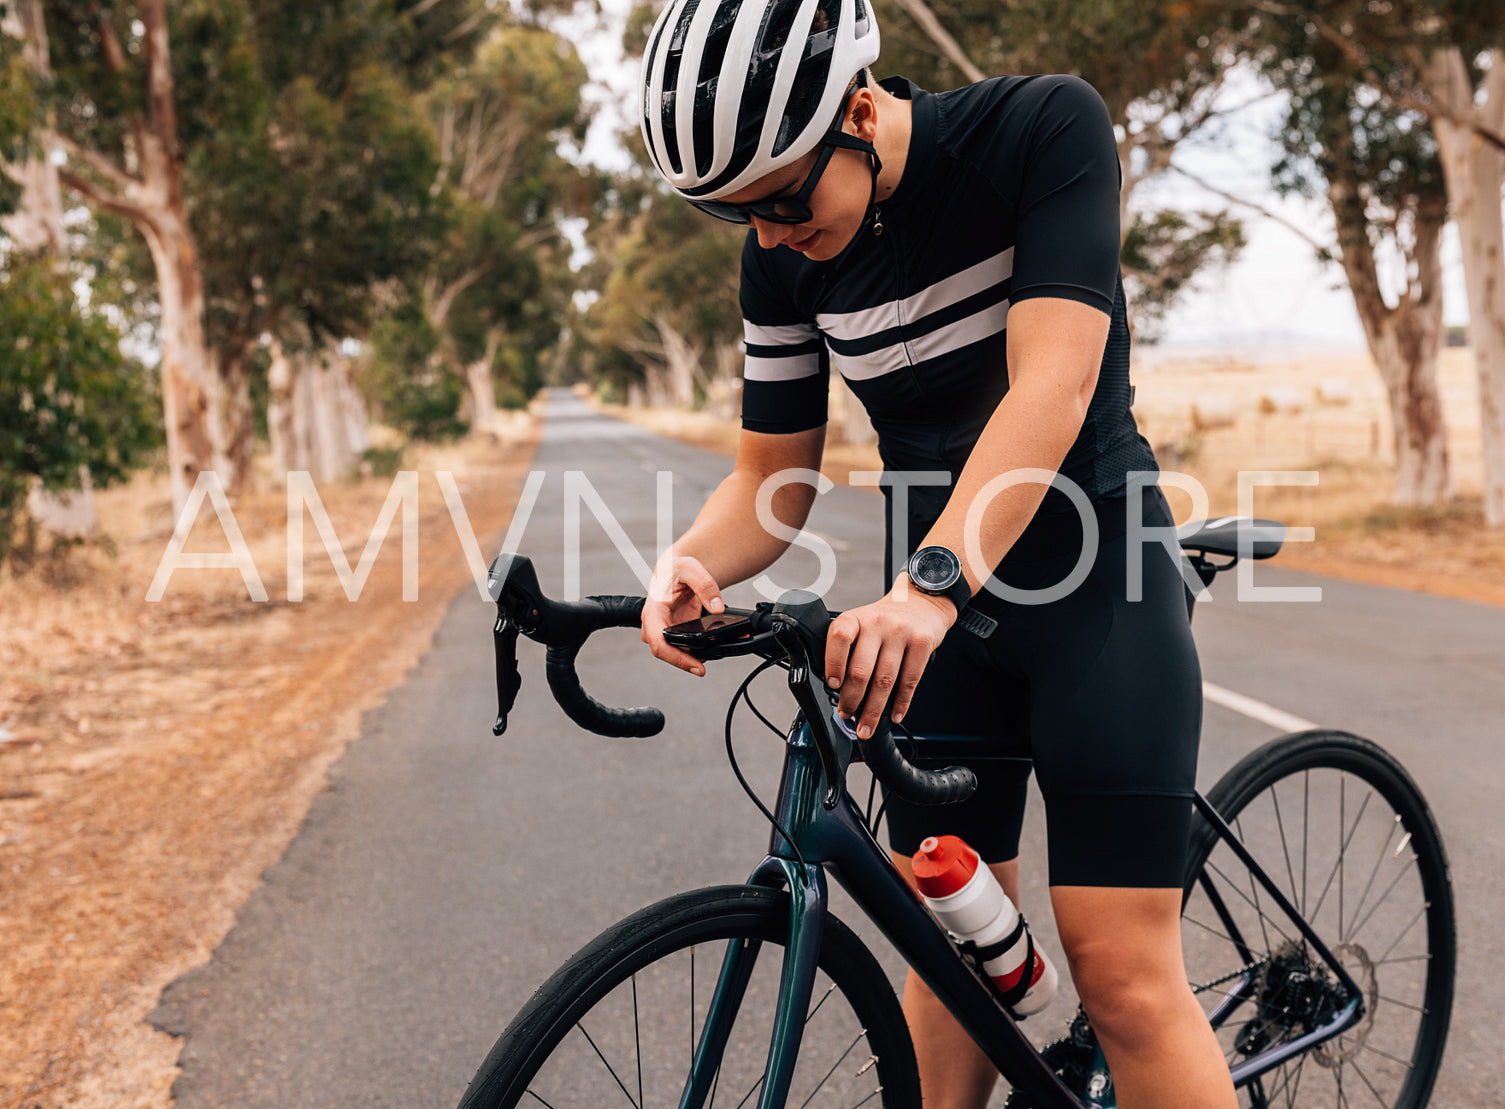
x=621, y=1020
x=1343, y=831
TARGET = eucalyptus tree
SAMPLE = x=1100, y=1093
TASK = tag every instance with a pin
x=1377, y=165
x=1161, y=66
x=496, y=291
x=1444, y=59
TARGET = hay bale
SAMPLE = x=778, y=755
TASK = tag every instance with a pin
x=1211, y=410
x=1282, y=399
x=1334, y=392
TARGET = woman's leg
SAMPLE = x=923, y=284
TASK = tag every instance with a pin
x=1124, y=950
x=954, y=1073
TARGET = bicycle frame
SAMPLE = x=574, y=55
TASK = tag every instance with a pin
x=827, y=832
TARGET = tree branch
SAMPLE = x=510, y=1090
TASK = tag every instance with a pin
x=105, y=199
x=164, y=113
x=123, y=182
x=1322, y=248
x=920, y=12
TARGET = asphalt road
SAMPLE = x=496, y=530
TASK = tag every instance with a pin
x=444, y=873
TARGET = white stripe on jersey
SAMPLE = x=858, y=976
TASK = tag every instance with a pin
x=791, y=335
x=945, y=292
x=781, y=369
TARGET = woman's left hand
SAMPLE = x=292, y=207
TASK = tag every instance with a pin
x=878, y=652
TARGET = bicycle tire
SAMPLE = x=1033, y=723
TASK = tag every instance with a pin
x=649, y=946
x=1400, y=968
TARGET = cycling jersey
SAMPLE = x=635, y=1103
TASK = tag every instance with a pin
x=1010, y=191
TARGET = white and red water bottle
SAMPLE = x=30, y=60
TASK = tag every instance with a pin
x=968, y=901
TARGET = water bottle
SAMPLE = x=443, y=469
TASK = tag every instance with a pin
x=971, y=905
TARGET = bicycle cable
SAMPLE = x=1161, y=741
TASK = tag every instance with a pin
x=731, y=711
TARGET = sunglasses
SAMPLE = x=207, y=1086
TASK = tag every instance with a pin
x=774, y=209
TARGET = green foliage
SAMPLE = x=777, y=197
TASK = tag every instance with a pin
x=403, y=382
x=68, y=398
x=1166, y=251
x=18, y=115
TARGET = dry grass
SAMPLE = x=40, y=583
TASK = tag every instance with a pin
x=1360, y=534
x=155, y=759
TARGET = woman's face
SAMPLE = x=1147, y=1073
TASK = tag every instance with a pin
x=837, y=206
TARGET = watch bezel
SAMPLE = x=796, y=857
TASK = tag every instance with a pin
x=951, y=580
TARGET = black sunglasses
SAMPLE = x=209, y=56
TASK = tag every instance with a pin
x=773, y=209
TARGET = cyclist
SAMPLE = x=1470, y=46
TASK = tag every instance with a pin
x=893, y=235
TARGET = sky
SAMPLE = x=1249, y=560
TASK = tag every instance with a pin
x=1276, y=295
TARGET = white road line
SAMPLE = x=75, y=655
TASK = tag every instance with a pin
x=1257, y=710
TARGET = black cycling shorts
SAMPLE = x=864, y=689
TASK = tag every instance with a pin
x=1102, y=694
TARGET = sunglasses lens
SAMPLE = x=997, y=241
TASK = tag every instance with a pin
x=732, y=213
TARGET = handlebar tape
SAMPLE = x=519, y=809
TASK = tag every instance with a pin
x=580, y=706
x=918, y=787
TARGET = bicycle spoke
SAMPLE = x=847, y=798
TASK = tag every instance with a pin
x=607, y=1065
x=1367, y=1046
x=869, y=1098
x=1364, y=1078
x=637, y=1038
x=1404, y=959
x=750, y=1092
x=1384, y=848
x=1419, y=914
x=1264, y=933
x=538, y=1099
x=1388, y=890
x=832, y=1071
x=1229, y=882
x=1342, y=852
x=1284, y=848
x=1208, y=928
x=1306, y=826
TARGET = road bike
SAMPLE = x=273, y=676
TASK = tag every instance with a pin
x=1318, y=917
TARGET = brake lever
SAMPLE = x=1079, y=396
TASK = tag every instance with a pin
x=508, y=681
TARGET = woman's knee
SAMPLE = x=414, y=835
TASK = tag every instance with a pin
x=1124, y=950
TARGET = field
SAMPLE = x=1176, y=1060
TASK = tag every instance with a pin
x=1346, y=439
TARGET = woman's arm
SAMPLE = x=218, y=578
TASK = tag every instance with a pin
x=1055, y=348
x=725, y=545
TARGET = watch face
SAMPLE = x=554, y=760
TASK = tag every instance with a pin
x=934, y=568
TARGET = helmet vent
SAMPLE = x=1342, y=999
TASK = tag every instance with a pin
x=810, y=79
x=705, y=88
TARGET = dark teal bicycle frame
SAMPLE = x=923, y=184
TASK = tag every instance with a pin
x=827, y=831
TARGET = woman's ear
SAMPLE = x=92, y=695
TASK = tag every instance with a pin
x=862, y=115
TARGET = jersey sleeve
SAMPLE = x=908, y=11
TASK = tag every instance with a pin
x=1067, y=242
x=784, y=379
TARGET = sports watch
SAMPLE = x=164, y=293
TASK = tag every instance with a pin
x=937, y=571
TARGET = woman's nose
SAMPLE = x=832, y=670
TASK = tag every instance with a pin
x=770, y=235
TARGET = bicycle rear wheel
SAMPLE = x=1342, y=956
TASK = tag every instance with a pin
x=1341, y=828
x=619, y=1021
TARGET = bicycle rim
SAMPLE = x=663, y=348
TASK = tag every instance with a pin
x=1341, y=829
x=618, y=1023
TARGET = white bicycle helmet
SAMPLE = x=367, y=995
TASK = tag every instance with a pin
x=724, y=103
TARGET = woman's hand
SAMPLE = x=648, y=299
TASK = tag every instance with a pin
x=680, y=588
x=878, y=652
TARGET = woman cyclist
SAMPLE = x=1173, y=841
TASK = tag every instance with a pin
x=955, y=258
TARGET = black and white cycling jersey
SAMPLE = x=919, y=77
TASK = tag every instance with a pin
x=1010, y=191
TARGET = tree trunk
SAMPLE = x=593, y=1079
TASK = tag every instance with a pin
x=185, y=401
x=1404, y=341
x=232, y=417
x=1475, y=174
x=482, y=392
x=316, y=418
x=681, y=365
x=37, y=223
